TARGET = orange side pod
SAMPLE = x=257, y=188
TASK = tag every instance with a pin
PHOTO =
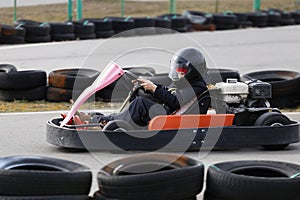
x=166, y=122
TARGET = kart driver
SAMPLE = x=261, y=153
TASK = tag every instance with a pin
x=188, y=73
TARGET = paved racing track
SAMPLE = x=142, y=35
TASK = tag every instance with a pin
x=244, y=50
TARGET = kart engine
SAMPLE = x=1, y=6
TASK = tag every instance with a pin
x=234, y=95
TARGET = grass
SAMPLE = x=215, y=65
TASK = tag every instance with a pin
x=103, y=8
x=37, y=106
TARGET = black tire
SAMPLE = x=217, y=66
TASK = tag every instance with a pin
x=58, y=197
x=259, y=19
x=68, y=78
x=35, y=31
x=84, y=28
x=37, y=39
x=98, y=196
x=285, y=86
x=287, y=22
x=12, y=39
x=100, y=24
x=6, y=68
x=62, y=95
x=152, y=177
x=62, y=28
x=253, y=179
x=40, y=176
x=63, y=37
x=105, y=34
x=225, y=26
x=12, y=31
x=23, y=79
x=224, y=19
x=120, y=24
x=117, y=125
x=86, y=36
x=33, y=94
x=162, y=22
x=296, y=16
x=141, y=22
x=27, y=22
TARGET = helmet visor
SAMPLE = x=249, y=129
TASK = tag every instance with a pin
x=179, y=66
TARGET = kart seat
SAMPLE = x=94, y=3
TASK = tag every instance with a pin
x=199, y=105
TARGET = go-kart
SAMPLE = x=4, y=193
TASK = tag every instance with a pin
x=231, y=114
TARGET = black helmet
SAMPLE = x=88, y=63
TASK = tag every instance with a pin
x=191, y=61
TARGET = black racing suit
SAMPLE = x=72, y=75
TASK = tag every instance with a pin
x=141, y=110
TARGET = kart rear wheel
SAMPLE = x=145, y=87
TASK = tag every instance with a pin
x=273, y=119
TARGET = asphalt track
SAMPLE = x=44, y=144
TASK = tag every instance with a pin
x=245, y=50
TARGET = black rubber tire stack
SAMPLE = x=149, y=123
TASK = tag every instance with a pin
x=274, y=18
x=43, y=178
x=62, y=31
x=84, y=30
x=103, y=27
x=123, y=27
x=12, y=35
x=286, y=17
x=35, y=31
x=285, y=86
x=151, y=177
x=119, y=90
x=178, y=22
x=225, y=21
x=67, y=84
x=252, y=179
x=296, y=16
x=242, y=20
x=258, y=19
x=144, y=25
x=22, y=85
x=163, y=25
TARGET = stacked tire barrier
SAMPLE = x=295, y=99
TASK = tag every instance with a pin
x=22, y=85
x=178, y=22
x=43, y=178
x=149, y=177
x=35, y=31
x=84, y=30
x=12, y=35
x=252, y=179
x=62, y=31
x=67, y=84
x=29, y=31
x=103, y=27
